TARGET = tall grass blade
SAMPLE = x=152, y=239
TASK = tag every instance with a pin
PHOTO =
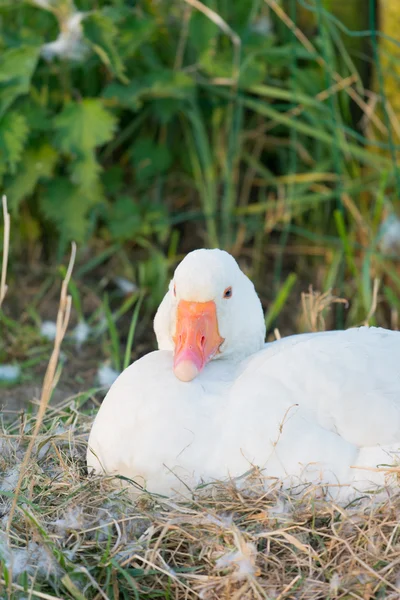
x=281, y=298
x=131, y=333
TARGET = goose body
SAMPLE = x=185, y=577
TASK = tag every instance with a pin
x=320, y=408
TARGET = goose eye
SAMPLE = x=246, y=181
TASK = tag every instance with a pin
x=174, y=290
x=228, y=293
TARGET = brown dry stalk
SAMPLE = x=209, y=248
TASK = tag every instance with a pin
x=351, y=206
x=377, y=469
x=6, y=246
x=394, y=319
x=314, y=304
x=63, y=315
x=277, y=334
x=394, y=121
x=288, y=587
x=372, y=103
x=374, y=302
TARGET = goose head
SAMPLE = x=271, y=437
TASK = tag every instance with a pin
x=210, y=312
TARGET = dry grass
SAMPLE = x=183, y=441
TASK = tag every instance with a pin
x=63, y=315
x=76, y=537
x=315, y=305
x=6, y=245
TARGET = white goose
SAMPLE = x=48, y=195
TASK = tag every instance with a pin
x=215, y=400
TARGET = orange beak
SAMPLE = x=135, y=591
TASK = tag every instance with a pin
x=197, y=338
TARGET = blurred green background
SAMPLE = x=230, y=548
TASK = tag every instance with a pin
x=145, y=129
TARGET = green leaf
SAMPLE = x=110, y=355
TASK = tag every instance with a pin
x=36, y=164
x=67, y=206
x=150, y=159
x=202, y=32
x=85, y=171
x=134, y=28
x=113, y=179
x=36, y=115
x=128, y=219
x=218, y=64
x=16, y=69
x=159, y=84
x=84, y=125
x=101, y=32
x=165, y=109
x=240, y=13
x=153, y=274
x=13, y=135
x=133, y=32
x=124, y=218
x=252, y=72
